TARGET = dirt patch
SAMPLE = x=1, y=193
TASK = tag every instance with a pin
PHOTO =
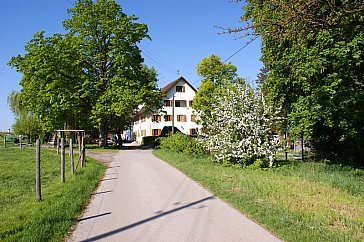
x=104, y=157
x=345, y=209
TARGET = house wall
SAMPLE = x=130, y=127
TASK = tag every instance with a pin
x=145, y=127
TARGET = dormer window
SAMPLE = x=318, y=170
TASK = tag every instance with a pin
x=180, y=89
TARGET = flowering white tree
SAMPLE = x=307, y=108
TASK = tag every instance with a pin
x=239, y=126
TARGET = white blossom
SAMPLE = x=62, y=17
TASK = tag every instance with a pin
x=239, y=127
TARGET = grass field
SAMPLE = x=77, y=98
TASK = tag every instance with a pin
x=296, y=201
x=22, y=217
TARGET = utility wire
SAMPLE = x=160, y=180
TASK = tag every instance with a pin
x=156, y=59
x=244, y=46
x=240, y=49
x=70, y=2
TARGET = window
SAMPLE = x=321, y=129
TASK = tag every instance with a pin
x=180, y=89
x=156, y=118
x=167, y=118
x=181, y=118
x=190, y=103
x=142, y=119
x=156, y=132
x=143, y=133
x=177, y=104
x=193, y=118
x=193, y=132
x=167, y=103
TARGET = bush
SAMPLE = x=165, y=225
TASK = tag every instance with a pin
x=259, y=163
x=182, y=143
x=238, y=127
x=151, y=141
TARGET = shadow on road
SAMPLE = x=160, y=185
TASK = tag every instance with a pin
x=95, y=216
x=101, y=236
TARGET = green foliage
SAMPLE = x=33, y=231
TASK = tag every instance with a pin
x=52, y=83
x=182, y=143
x=297, y=202
x=26, y=122
x=216, y=77
x=316, y=70
x=22, y=217
x=91, y=77
x=151, y=141
x=259, y=163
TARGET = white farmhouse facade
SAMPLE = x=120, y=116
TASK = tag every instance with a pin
x=177, y=110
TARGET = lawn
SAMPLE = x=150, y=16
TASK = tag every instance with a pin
x=22, y=217
x=296, y=201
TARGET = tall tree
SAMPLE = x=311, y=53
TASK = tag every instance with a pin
x=262, y=76
x=216, y=76
x=54, y=82
x=314, y=51
x=94, y=74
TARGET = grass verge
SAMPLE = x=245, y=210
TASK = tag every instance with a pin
x=22, y=217
x=297, y=201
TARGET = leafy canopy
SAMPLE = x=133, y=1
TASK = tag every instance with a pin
x=93, y=74
x=314, y=52
x=216, y=77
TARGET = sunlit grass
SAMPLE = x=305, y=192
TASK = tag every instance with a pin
x=22, y=217
x=297, y=201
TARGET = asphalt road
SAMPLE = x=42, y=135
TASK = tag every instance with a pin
x=142, y=198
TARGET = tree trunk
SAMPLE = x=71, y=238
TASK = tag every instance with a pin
x=102, y=135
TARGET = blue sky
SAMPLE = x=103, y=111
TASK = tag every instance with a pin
x=182, y=34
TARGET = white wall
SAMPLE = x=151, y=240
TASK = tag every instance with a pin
x=184, y=127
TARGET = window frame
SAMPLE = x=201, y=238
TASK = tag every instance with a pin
x=180, y=89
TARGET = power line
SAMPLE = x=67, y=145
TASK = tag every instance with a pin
x=240, y=49
x=156, y=60
x=232, y=55
x=70, y=2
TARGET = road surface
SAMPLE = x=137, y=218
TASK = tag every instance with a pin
x=142, y=198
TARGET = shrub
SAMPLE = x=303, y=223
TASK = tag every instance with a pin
x=239, y=126
x=182, y=143
x=151, y=141
x=259, y=163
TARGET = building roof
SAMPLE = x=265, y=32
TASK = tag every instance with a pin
x=172, y=84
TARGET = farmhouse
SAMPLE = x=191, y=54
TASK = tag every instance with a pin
x=177, y=112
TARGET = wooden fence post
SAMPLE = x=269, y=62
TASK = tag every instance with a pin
x=37, y=171
x=83, y=152
x=4, y=140
x=72, y=158
x=57, y=142
x=79, y=145
x=62, y=161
